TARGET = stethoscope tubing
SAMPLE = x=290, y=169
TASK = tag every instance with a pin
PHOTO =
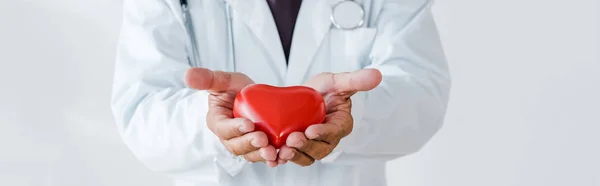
x=189, y=28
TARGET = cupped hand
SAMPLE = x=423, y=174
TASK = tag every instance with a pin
x=319, y=140
x=236, y=134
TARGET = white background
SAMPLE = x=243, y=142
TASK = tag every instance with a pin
x=525, y=108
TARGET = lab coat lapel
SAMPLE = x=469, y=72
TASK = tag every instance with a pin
x=175, y=5
x=257, y=16
x=312, y=24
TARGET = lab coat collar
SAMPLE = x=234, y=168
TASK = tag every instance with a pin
x=312, y=24
x=257, y=16
x=175, y=5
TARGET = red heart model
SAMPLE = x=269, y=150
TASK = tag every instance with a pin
x=279, y=111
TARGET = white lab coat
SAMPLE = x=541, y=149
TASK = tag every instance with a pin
x=163, y=122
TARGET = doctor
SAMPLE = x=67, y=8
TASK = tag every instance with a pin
x=378, y=63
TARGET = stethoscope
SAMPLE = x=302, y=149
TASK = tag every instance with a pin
x=345, y=15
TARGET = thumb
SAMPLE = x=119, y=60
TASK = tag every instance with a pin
x=360, y=80
x=216, y=81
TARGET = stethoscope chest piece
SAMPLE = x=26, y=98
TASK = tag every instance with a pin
x=347, y=15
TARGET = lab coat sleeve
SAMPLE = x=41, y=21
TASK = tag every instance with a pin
x=403, y=113
x=160, y=119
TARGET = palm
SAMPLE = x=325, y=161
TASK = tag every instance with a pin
x=335, y=102
x=236, y=134
x=320, y=139
x=222, y=102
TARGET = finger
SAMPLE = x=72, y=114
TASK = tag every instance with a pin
x=329, y=133
x=360, y=80
x=269, y=153
x=348, y=82
x=226, y=128
x=313, y=148
x=285, y=153
x=281, y=162
x=263, y=154
x=334, y=100
x=216, y=81
x=272, y=163
x=337, y=125
x=293, y=155
x=246, y=143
